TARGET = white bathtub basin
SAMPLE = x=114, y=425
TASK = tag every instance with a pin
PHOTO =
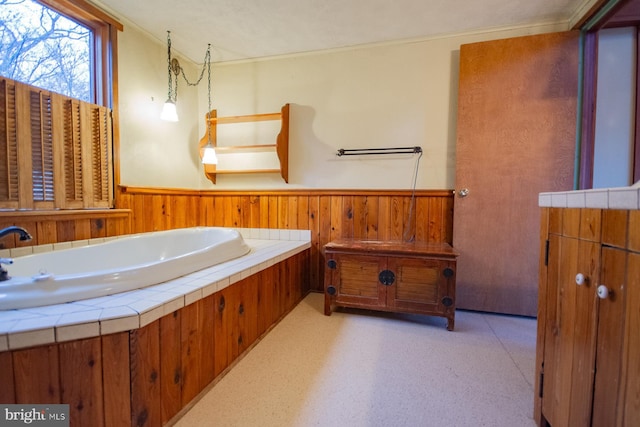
x=120, y=265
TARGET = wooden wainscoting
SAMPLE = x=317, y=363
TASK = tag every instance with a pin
x=329, y=214
x=64, y=225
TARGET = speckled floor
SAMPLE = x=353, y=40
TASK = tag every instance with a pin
x=370, y=369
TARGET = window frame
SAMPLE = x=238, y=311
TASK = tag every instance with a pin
x=603, y=15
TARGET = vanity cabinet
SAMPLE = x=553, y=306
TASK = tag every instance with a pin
x=588, y=343
x=391, y=276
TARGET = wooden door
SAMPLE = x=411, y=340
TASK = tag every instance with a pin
x=611, y=317
x=583, y=333
x=629, y=406
x=558, y=345
x=570, y=331
x=515, y=139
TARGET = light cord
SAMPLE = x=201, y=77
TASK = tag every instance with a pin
x=407, y=229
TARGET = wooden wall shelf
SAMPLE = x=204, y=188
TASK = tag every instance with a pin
x=281, y=147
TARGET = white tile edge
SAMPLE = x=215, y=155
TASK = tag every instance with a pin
x=627, y=198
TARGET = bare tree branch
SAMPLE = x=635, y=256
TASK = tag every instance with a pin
x=40, y=47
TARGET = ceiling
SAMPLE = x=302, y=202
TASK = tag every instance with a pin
x=248, y=29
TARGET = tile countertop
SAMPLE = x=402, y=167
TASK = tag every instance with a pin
x=599, y=198
x=125, y=311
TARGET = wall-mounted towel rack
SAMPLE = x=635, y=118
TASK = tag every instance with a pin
x=368, y=151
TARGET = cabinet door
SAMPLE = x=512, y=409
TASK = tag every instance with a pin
x=611, y=317
x=584, y=333
x=629, y=407
x=356, y=280
x=421, y=285
x=569, y=331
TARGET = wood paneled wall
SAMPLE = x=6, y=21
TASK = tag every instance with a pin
x=366, y=214
x=64, y=226
x=370, y=214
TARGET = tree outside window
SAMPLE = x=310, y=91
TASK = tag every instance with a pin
x=43, y=48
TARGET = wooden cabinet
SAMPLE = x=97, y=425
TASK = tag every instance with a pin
x=391, y=276
x=588, y=347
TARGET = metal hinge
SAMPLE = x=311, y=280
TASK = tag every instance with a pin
x=541, y=390
x=546, y=253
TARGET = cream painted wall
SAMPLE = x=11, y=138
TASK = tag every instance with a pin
x=391, y=95
x=154, y=153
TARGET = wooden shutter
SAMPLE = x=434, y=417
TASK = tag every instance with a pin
x=8, y=146
x=56, y=151
x=101, y=156
x=72, y=142
x=41, y=149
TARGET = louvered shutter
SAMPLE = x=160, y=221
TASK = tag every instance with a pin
x=41, y=149
x=9, y=196
x=56, y=151
x=72, y=155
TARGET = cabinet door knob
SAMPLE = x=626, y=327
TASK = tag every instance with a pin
x=386, y=277
x=603, y=292
x=580, y=279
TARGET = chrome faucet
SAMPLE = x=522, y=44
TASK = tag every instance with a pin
x=24, y=234
x=4, y=274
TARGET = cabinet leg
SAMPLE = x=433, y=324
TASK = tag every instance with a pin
x=450, y=323
x=327, y=305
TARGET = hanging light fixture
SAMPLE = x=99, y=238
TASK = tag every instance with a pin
x=209, y=156
x=169, y=111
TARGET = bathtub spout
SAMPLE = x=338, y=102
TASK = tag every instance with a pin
x=24, y=234
x=4, y=274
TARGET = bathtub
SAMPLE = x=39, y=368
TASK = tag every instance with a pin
x=120, y=265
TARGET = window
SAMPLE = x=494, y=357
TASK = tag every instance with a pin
x=43, y=48
x=615, y=107
x=610, y=149
x=58, y=148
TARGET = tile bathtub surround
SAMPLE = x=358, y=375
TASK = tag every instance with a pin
x=133, y=309
x=598, y=198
